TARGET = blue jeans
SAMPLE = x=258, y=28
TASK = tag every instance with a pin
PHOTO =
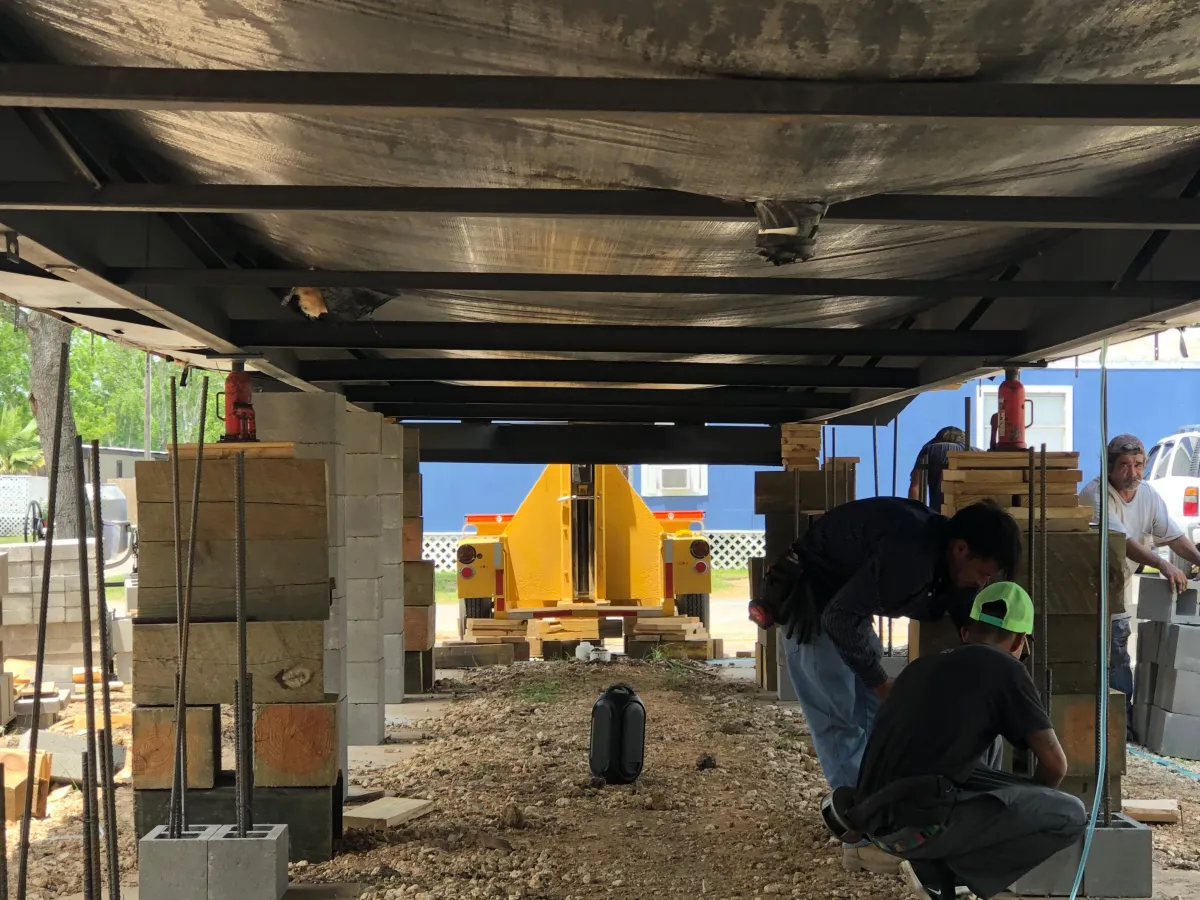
x=840, y=709
x=1120, y=671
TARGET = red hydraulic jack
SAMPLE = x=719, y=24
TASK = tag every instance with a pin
x=1008, y=423
x=239, y=410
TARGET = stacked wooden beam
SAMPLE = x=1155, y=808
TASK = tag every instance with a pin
x=1004, y=478
x=296, y=744
x=800, y=447
x=496, y=631
x=673, y=637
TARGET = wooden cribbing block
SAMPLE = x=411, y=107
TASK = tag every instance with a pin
x=418, y=583
x=779, y=492
x=250, y=449
x=412, y=539
x=295, y=744
x=287, y=481
x=1074, y=720
x=412, y=494
x=1073, y=574
x=153, y=760
x=1057, y=477
x=386, y=813
x=264, y=521
x=286, y=661
x=1009, y=459
x=420, y=627
x=16, y=770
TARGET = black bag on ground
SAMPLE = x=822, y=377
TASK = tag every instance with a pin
x=618, y=740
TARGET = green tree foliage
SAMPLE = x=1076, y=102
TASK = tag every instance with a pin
x=19, y=448
x=107, y=391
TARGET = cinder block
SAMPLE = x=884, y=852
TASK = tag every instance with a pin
x=392, y=510
x=22, y=585
x=412, y=493
x=787, y=691
x=1178, y=692
x=254, y=867
x=362, y=432
x=362, y=557
x=391, y=545
x=364, y=681
x=393, y=615
x=175, y=867
x=393, y=685
x=304, y=418
x=364, y=599
x=1173, y=734
x=1141, y=721
x=1121, y=860
x=122, y=635
x=1179, y=647
x=337, y=520
x=418, y=672
x=364, y=641
x=1053, y=878
x=393, y=651
x=1157, y=603
x=1145, y=682
x=365, y=723
x=363, y=517
x=894, y=665
x=1149, y=638
x=362, y=474
x=335, y=672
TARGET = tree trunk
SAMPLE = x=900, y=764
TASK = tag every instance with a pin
x=46, y=337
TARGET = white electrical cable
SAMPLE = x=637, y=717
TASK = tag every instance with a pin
x=1102, y=665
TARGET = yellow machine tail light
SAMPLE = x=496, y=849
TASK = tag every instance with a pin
x=700, y=550
x=467, y=572
x=467, y=554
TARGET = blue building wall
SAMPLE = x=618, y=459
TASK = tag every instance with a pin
x=1150, y=403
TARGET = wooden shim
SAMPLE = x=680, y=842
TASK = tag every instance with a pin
x=251, y=450
x=470, y=656
x=286, y=603
x=17, y=762
x=386, y=813
x=268, y=564
x=153, y=753
x=296, y=744
x=287, y=481
x=264, y=522
x=285, y=659
x=1153, y=812
x=420, y=627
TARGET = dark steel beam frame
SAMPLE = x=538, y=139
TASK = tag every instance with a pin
x=106, y=87
x=583, y=398
x=647, y=415
x=883, y=209
x=625, y=338
x=625, y=371
x=616, y=443
x=531, y=283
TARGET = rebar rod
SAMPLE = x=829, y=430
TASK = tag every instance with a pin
x=112, y=849
x=1044, y=584
x=895, y=451
x=175, y=811
x=875, y=454
x=89, y=885
x=239, y=784
x=239, y=570
x=3, y=851
x=833, y=454
x=91, y=757
x=1103, y=634
x=43, y=608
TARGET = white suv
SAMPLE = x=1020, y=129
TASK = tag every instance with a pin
x=1173, y=469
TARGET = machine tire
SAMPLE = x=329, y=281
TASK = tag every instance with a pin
x=693, y=605
x=473, y=608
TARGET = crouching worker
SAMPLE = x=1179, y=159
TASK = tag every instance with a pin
x=922, y=793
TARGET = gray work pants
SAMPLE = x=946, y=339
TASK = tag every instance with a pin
x=998, y=832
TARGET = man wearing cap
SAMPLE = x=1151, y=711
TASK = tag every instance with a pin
x=954, y=821
x=1139, y=512
x=925, y=483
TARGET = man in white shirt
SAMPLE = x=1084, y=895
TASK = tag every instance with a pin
x=1139, y=512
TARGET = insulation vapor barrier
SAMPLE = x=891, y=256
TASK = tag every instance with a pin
x=748, y=158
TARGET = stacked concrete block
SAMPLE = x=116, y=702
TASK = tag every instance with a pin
x=391, y=549
x=20, y=606
x=1166, y=697
x=362, y=442
x=419, y=598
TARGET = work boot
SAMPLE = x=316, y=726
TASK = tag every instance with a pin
x=870, y=858
x=922, y=891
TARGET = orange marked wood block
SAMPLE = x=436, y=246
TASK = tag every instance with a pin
x=295, y=744
x=412, y=539
x=420, y=627
x=153, y=756
x=16, y=771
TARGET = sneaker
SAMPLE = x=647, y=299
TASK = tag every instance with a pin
x=870, y=858
x=922, y=892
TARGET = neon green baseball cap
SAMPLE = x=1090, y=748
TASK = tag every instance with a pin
x=1019, y=616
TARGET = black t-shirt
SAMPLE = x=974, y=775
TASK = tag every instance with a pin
x=944, y=711
x=933, y=459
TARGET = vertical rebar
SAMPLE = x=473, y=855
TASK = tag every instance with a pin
x=833, y=454
x=106, y=746
x=239, y=784
x=967, y=423
x=895, y=450
x=89, y=886
x=1103, y=626
x=91, y=758
x=40, y=658
x=1044, y=584
x=175, y=813
x=239, y=572
x=1031, y=543
x=875, y=454
x=825, y=466
x=3, y=850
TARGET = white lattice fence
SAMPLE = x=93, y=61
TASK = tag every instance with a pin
x=15, y=494
x=730, y=549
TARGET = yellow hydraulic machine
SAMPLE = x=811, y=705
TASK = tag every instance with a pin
x=584, y=543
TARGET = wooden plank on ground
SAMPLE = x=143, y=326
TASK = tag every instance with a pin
x=295, y=744
x=386, y=813
x=153, y=762
x=286, y=481
x=1153, y=812
x=286, y=660
x=264, y=521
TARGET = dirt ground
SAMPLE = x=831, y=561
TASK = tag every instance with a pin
x=516, y=816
